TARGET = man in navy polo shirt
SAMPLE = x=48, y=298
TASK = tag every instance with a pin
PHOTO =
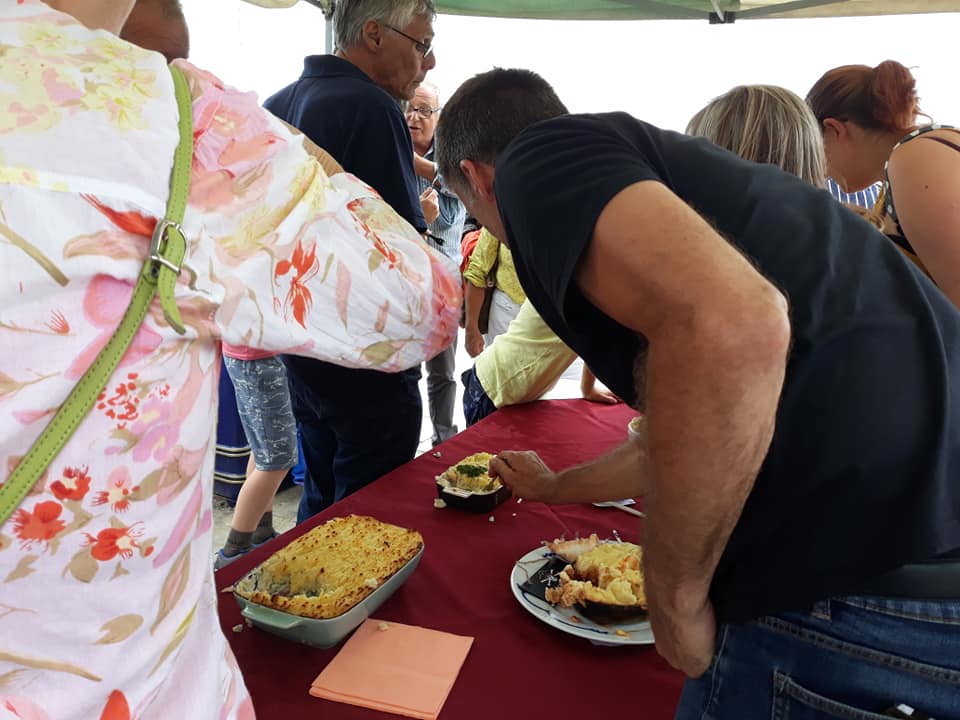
x=357, y=425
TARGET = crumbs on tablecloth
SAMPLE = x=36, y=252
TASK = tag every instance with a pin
x=437, y=454
x=492, y=518
x=439, y=503
x=519, y=500
x=238, y=628
x=248, y=621
x=513, y=515
x=382, y=626
x=227, y=589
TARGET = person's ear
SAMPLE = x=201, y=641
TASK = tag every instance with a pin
x=480, y=175
x=835, y=127
x=372, y=35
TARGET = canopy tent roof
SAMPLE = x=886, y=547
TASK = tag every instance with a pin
x=712, y=10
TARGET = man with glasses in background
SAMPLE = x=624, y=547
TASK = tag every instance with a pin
x=422, y=114
x=357, y=425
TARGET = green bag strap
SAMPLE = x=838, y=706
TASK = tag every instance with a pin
x=159, y=275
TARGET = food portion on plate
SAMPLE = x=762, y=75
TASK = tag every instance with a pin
x=603, y=578
x=468, y=485
x=330, y=569
x=538, y=572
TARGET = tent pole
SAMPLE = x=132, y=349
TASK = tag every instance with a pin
x=328, y=29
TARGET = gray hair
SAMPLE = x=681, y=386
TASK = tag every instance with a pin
x=349, y=17
x=432, y=89
x=485, y=114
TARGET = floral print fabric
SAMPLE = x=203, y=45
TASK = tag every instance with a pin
x=107, y=605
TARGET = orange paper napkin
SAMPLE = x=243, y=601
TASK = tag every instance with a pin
x=401, y=669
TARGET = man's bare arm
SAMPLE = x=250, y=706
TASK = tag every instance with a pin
x=718, y=336
x=619, y=474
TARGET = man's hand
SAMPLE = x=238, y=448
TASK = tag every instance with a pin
x=474, y=341
x=620, y=473
x=430, y=204
x=685, y=637
x=525, y=474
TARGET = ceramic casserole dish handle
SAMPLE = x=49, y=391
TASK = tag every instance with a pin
x=269, y=617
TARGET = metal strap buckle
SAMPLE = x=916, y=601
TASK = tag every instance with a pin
x=158, y=244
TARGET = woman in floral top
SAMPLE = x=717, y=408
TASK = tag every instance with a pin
x=107, y=605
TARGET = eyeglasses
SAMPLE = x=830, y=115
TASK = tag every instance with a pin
x=423, y=111
x=424, y=48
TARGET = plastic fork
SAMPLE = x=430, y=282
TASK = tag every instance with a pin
x=618, y=504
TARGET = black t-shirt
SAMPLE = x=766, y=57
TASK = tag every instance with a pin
x=862, y=473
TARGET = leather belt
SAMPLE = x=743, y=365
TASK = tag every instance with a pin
x=929, y=580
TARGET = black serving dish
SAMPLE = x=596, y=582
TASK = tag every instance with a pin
x=479, y=502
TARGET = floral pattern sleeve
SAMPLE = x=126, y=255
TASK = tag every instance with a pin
x=311, y=265
x=107, y=600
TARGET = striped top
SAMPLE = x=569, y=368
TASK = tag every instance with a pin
x=865, y=198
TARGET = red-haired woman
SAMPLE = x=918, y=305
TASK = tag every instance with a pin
x=869, y=121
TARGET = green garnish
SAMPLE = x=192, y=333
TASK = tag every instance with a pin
x=470, y=470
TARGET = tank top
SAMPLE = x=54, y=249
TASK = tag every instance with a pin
x=900, y=239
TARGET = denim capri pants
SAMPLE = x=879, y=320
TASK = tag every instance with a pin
x=263, y=403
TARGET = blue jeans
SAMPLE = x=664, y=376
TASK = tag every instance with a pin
x=849, y=658
x=354, y=433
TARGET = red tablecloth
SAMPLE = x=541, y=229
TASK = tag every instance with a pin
x=518, y=667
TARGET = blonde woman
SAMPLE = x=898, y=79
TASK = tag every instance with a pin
x=767, y=124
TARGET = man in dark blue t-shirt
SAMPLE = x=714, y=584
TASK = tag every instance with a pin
x=802, y=388
x=357, y=425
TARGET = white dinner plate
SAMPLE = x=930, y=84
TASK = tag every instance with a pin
x=630, y=633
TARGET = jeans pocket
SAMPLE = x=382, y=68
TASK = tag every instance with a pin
x=792, y=701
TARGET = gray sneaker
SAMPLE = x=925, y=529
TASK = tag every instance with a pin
x=221, y=560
